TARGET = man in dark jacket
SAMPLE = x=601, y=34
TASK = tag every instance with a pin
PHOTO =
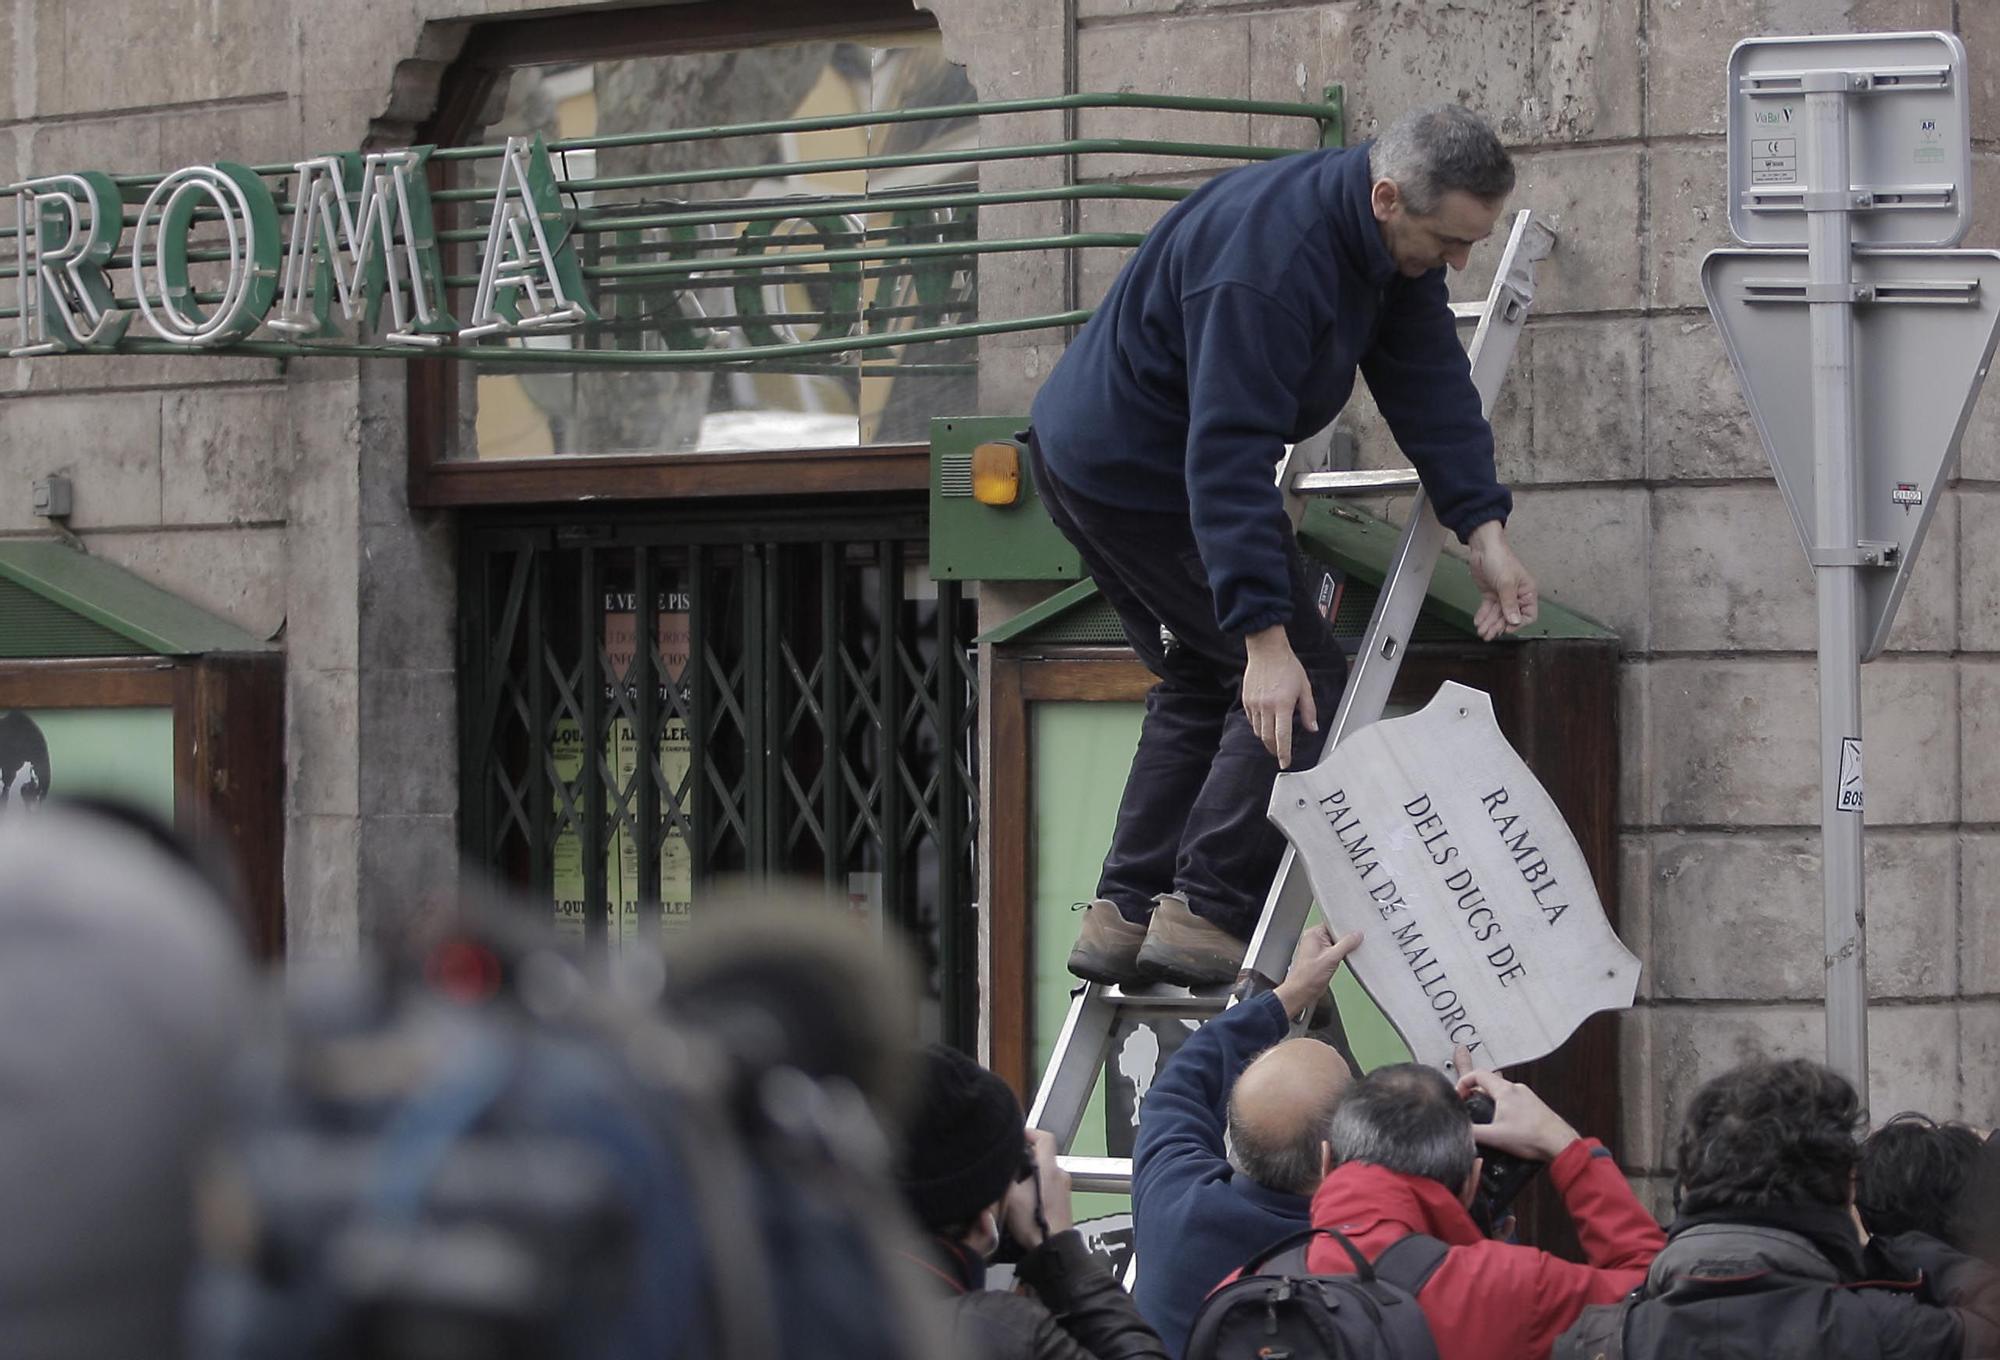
x=1767, y=1259
x=1230, y=1141
x=1239, y=325
x=962, y=1174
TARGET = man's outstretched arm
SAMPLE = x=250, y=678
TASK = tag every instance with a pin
x=1422, y=380
x=1183, y=1124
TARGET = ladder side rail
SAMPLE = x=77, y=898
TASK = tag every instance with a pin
x=1405, y=587
x=1075, y=1064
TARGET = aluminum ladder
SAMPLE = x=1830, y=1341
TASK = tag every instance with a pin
x=1097, y=1012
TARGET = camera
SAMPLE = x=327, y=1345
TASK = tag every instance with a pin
x=1010, y=1252
x=1503, y=1175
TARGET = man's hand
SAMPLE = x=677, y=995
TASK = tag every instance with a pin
x=1314, y=962
x=1522, y=1124
x=1506, y=592
x=1051, y=1183
x=1274, y=687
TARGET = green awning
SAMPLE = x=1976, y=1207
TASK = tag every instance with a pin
x=58, y=602
x=1360, y=546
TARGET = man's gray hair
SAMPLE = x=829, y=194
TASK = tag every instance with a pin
x=1291, y=1165
x=1430, y=152
x=1408, y=1119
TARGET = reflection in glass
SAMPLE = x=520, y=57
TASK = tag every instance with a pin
x=654, y=255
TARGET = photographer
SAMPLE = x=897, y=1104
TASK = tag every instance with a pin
x=1230, y=1138
x=1407, y=1154
x=970, y=1168
x=1766, y=1260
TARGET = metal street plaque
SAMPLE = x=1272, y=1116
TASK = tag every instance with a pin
x=1925, y=327
x=1483, y=927
x=1909, y=133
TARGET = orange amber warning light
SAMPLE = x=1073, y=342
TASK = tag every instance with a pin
x=996, y=473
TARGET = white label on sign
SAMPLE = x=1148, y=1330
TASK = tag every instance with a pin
x=1774, y=160
x=1849, y=797
x=1483, y=925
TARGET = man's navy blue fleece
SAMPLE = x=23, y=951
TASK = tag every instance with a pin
x=1236, y=328
x=1193, y=1218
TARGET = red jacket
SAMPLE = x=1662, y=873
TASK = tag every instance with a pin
x=1491, y=1300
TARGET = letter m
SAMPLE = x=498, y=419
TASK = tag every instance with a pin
x=361, y=232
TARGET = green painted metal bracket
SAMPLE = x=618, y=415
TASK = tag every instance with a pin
x=1333, y=125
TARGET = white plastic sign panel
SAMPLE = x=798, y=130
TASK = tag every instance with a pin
x=1922, y=347
x=1909, y=137
x=1483, y=927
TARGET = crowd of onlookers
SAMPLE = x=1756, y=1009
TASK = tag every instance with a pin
x=1796, y=1232
x=467, y=1145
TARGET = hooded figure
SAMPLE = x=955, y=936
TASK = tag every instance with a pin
x=123, y=988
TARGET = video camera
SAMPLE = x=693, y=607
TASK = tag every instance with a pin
x=1502, y=1176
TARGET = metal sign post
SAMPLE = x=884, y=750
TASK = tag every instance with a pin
x=1833, y=140
x=1836, y=568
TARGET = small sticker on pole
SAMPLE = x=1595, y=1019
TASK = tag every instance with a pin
x=1848, y=798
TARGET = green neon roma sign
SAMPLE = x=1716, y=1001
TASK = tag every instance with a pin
x=362, y=249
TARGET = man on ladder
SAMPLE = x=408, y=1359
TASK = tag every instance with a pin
x=1235, y=328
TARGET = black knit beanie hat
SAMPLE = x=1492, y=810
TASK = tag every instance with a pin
x=963, y=1145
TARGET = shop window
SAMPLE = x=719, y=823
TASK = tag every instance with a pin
x=737, y=260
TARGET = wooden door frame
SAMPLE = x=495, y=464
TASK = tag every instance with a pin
x=229, y=762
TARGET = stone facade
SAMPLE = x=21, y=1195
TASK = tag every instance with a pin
x=273, y=493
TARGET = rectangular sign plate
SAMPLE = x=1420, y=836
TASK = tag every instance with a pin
x=1909, y=137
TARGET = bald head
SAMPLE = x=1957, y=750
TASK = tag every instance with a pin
x=1279, y=1111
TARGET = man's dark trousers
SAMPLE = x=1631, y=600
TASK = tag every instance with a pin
x=1193, y=817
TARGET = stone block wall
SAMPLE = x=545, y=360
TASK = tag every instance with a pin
x=1644, y=499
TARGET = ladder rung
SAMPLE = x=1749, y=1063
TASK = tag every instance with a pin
x=1169, y=1002
x=1468, y=311
x=1354, y=482
x=1098, y=1175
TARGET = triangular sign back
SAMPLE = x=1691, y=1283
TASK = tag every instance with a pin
x=1922, y=346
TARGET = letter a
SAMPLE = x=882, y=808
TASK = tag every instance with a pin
x=529, y=278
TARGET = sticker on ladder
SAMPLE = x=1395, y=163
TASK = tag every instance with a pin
x=1849, y=797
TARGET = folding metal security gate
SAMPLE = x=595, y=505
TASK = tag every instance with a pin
x=798, y=702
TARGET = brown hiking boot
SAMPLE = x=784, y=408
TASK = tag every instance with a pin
x=1107, y=948
x=1184, y=949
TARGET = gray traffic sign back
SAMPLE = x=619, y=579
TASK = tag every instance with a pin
x=1909, y=126
x=1925, y=329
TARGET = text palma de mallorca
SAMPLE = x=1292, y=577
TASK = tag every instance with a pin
x=1481, y=924
x=361, y=240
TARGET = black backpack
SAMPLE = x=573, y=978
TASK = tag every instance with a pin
x=1276, y=1309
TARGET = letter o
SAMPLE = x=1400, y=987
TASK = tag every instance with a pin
x=249, y=218
x=1444, y=1001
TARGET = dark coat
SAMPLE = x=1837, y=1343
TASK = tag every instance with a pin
x=1076, y=1310
x=1796, y=1284
x=1195, y=1218
x=1238, y=326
